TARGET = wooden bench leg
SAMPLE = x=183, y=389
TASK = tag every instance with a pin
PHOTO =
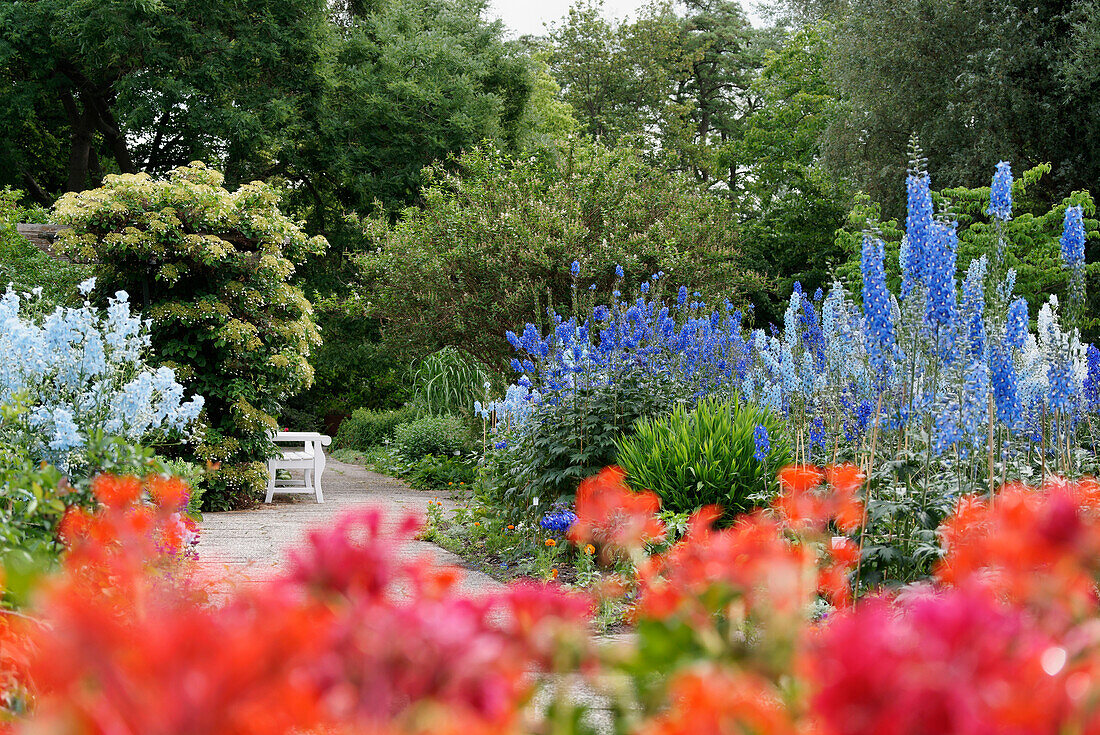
x=319, y=469
x=270, y=483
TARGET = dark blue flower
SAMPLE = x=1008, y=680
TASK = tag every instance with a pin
x=575, y=269
x=619, y=271
x=762, y=442
x=558, y=521
x=1016, y=327
x=918, y=229
x=1002, y=376
x=876, y=302
x=1092, y=378
x=940, y=311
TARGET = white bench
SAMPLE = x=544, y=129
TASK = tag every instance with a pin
x=306, y=455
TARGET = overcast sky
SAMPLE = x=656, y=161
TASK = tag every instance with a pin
x=528, y=16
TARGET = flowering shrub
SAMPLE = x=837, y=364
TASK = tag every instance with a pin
x=751, y=628
x=938, y=389
x=212, y=270
x=76, y=393
x=81, y=375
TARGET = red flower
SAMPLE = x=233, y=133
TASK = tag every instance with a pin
x=957, y=662
x=611, y=514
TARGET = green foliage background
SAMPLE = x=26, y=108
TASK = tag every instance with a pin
x=492, y=245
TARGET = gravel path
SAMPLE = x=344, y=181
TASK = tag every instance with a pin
x=250, y=545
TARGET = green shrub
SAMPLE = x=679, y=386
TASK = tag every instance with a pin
x=440, y=474
x=437, y=435
x=365, y=428
x=352, y=367
x=544, y=457
x=490, y=246
x=211, y=269
x=705, y=456
x=24, y=267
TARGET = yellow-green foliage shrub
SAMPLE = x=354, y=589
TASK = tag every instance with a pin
x=210, y=268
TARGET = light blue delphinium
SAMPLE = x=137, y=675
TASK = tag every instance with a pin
x=876, y=303
x=1000, y=193
x=1073, y=239
x=82, y=371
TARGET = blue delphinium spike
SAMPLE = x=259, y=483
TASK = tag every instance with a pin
x=1000, y=193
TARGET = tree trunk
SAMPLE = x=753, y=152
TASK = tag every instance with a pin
x=35, y=189
x=81, y=143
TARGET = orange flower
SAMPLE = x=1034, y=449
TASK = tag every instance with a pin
x=804, y=504
x=511, y=527
x=553, y=574
x=714, y=700
x=477, y=524
x=609, y=512
x=590, y=549
x=551, y=542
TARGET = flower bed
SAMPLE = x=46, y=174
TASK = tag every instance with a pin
x=751, y=628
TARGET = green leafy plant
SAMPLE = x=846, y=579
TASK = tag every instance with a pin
x=353, y=369
x=210, y=268
x=440, y=473
x=24, y=267
x=448, y=382
x=542, y=460
x=435, y=435
x=705, y=456
x=365, y=428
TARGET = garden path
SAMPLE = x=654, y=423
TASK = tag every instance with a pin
x=251, y=545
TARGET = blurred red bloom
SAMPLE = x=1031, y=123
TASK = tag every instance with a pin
x=955, y=662
x=610, y=513
x=1034, y=547
x=751, y=561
